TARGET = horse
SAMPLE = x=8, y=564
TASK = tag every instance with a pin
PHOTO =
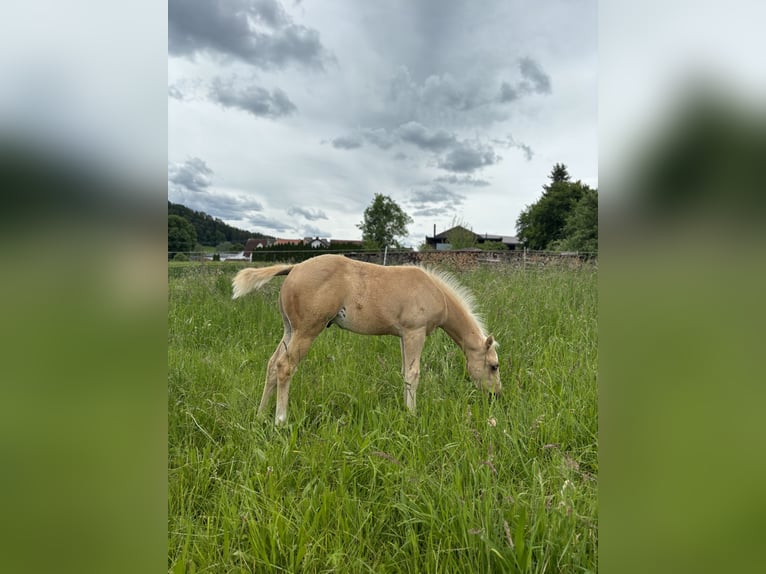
x=407, y=301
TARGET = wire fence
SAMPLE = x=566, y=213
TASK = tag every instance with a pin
x=454, y=259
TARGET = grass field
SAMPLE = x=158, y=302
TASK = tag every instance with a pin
x=355, y=483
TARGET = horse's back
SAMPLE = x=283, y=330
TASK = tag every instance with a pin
x=362, y=297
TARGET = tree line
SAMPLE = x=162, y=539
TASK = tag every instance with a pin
x=564, y=218
x=208, y=230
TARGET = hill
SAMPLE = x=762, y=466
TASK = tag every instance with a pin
x=211, y=230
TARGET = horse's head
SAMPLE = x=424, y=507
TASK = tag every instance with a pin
x=483, y=367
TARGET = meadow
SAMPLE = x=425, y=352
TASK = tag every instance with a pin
x=355, y=483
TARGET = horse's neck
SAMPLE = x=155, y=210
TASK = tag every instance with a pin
x=461, y=326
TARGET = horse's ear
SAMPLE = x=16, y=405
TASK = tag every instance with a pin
x=489, y=342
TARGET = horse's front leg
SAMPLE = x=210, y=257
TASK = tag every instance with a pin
x=412, y=346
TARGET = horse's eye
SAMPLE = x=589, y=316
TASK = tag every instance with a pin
x=493, y=368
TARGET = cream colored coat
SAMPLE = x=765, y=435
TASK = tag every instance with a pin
x=406, y=301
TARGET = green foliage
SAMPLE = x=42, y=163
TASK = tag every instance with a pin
x=228, y=246
x=425, y=246
x=581, y=229
x=492, y=246
x=558, y=218
x=461, y=238
x=383, y=221
x=180, y=257
x=181, y=234
x=559, y=173
x=211, y=230
x=357, y=484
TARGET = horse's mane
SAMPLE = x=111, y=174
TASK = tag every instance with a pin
x=463, y=296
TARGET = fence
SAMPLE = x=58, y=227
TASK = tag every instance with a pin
x=456, y=259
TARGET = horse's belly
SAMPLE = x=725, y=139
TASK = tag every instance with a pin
x=364, y=322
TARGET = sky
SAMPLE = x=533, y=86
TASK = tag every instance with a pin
x=286, y=118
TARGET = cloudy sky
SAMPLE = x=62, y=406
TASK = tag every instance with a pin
x=287, y=117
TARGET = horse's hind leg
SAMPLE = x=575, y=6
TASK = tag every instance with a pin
x=271, y=375
x=286, y=363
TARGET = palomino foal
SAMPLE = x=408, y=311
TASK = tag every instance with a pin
x=406, y=301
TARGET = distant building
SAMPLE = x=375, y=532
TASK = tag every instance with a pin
x=257, y=243
x=316, y=242
x=440, y=241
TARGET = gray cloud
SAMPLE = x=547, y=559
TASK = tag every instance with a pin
x=190, y=183
x=310, y=214
x=268, y=223
x=466, y=158
x=186, y=89
x=175, y=93
x=437, y=96
x=510, y=142
x=436, y=193
x=228, y=206
x=444, y=91
x=459, y=155
x=379, y=137
x=432, y=212
x=534, y=80
x=311, y=231
x=192, y=175
x=531, y=71
x=417, y=134
x=508, y=93
x=347, y=142
x=259, y=32
x=528, y=153
x=253, y=99
x=462, y=180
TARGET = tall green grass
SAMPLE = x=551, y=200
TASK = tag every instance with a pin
x=357, y=484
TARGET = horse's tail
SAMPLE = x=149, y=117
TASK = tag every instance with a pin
x=252, y=278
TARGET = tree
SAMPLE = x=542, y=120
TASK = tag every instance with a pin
x=181, y=234
x=383, y=221
x=460, y=237
x=559, y=173
x=460, y=234
x=546, y=223
x=581, y=229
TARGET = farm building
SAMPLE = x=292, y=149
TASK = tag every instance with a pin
x=440, y=241
x=258, y=243
x=316, y=242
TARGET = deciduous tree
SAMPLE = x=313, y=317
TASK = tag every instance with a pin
x=383, y=221
x=181, y=234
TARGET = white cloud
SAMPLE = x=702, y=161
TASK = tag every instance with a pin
x=354, y=99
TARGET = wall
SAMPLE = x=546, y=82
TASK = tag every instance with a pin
x=469, y=259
